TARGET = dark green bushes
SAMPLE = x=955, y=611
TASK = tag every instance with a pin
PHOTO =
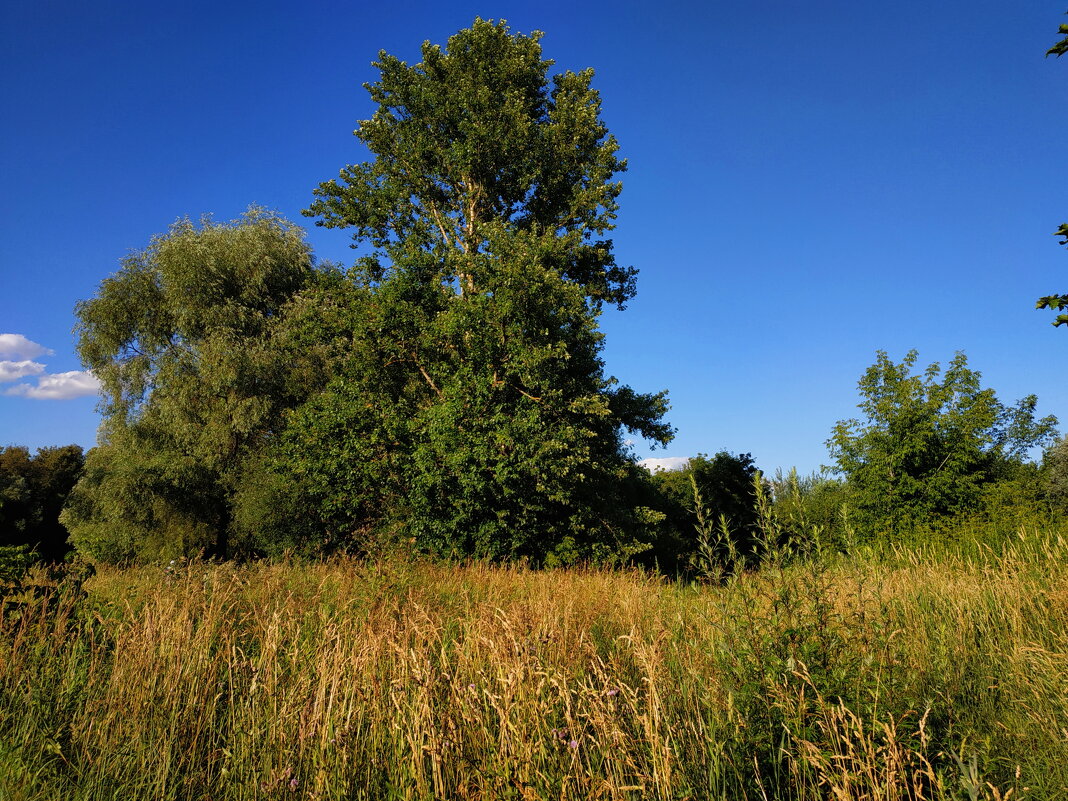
x=33, y=490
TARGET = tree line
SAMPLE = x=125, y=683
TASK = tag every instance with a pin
x=448, y=391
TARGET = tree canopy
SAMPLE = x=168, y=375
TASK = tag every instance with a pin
x=183, y=340
x=448, y=389
x=1055, y=469
x=481, y=163
x=469, y=405
x=929, y=442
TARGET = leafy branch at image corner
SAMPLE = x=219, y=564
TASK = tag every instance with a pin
x=1058, y=302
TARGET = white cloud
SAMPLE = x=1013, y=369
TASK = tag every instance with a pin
x=665, y=463
x=50, y=386
x=12, y=371
x=16, y=346
x=59, y=386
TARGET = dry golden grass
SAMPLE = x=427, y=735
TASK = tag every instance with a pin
x=906, y=678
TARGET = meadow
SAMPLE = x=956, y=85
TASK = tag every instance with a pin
x=933, y=673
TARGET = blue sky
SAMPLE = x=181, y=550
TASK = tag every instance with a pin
x=808, y=183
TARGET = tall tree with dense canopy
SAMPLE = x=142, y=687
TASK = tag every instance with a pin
x=183, y=340
x=929, y=442
x=470, y=405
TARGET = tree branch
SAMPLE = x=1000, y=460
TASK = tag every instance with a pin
x=426, y=375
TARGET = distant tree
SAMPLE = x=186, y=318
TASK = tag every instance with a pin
x=1055, y=474
x=1058, y=302
x=810, y=512
x=929, y=443
x=723, y=487
x=183, y=340
x=469, y=405
x=17, y=507
x=33, y=490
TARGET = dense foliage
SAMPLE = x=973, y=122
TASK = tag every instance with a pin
x=448, y=388
x=929, y=443
x=33, y=489
x=709, y=512
x=447, y=392
x=468, y=403
x=1055, y=474
x=184, y=341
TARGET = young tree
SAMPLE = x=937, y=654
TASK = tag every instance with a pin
x=470, y=404
x=183, y=341
x=930, y=442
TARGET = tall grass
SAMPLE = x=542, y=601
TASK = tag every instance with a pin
x=904, y=675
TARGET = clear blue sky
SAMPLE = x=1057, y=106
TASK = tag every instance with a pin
x=808, y=183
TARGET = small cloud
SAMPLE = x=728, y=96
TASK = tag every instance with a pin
x=12, y=371
x=17, y=346
x=59, y=386
x=665, y=463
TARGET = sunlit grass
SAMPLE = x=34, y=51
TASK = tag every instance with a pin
x=899, y=676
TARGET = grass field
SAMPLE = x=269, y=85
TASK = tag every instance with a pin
x=917, y=674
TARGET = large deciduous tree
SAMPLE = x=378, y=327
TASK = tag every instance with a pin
x=183, y=340
x=929, y=443
x=470, y=407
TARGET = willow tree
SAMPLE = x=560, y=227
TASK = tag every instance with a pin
x=184, y=341
x=470, y=406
